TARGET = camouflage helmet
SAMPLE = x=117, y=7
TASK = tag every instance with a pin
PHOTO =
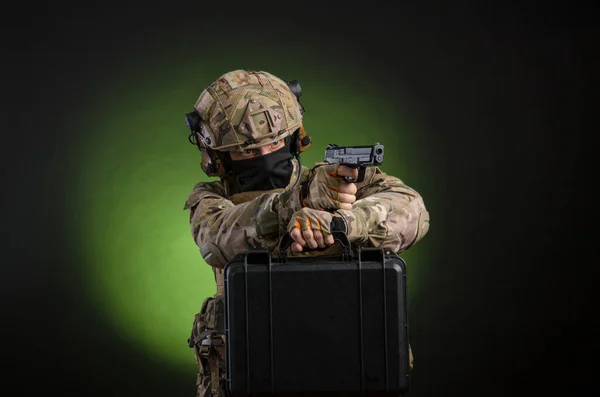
x=246, y=109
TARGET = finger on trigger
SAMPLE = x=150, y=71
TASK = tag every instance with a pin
x=335, y=174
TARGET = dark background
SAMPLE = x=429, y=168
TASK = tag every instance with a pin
x=505, y=92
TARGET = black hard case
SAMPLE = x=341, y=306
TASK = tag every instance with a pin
x=318, y=326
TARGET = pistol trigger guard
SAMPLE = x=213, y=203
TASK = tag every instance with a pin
x=361, y=174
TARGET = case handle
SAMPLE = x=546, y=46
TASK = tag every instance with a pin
x=339, y=236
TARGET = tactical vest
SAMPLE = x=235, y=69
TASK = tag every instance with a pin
x=208, y=341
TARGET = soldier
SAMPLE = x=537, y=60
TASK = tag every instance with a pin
x=248, y=127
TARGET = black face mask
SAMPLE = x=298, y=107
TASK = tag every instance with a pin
x=271, y=171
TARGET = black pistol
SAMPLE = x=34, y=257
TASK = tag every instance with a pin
x=355, y=157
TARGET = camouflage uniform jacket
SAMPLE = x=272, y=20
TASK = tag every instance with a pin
x=387, y=213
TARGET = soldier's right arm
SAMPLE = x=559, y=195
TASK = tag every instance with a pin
x=221, y=229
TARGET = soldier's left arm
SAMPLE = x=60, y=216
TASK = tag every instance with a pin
x=387, y=213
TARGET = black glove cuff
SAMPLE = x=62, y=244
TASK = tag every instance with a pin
x=337, y=225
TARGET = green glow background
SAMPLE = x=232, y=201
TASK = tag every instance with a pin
x=484, y=115
x=136, y=169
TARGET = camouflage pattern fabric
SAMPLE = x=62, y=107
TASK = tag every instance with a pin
x=245, y=108
x=387, y=213
x=308, y=218
x=323, y=187
x=208, y=341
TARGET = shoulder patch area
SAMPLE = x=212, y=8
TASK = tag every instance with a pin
x=202, y=189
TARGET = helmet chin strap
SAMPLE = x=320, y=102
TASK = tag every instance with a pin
x=229, y=180
x=296, y=155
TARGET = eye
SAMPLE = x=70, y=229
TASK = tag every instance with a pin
x=276, y=144
x=247, y=152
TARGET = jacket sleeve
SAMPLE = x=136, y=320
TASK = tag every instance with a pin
x=387, y=213
x=221, y=229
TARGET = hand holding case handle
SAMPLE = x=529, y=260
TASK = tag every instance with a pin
x=339, y=235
